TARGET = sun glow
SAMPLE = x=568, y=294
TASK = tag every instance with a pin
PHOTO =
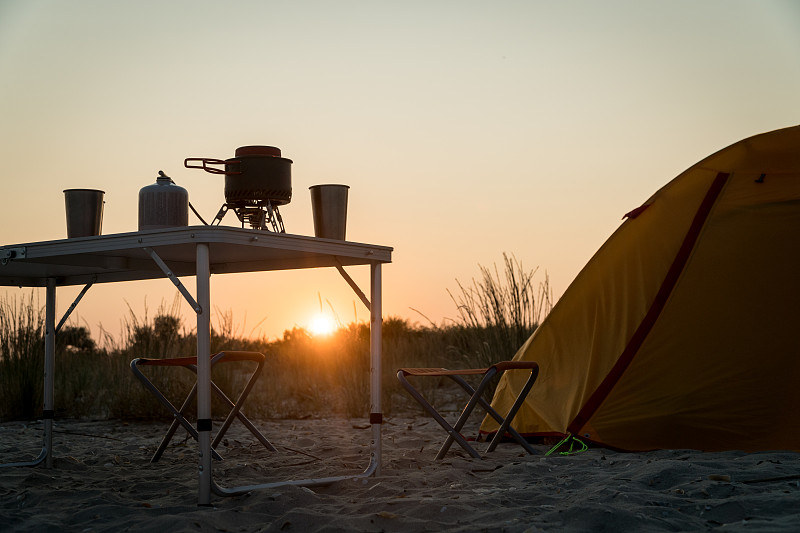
x=321, y=325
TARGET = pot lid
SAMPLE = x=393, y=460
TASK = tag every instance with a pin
x=258, y=150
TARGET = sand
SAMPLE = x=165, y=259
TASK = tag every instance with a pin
x=103, y=481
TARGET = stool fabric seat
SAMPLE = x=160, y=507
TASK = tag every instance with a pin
x=190, y=363
x=476, y=398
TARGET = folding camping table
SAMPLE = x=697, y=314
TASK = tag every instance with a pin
x=192, y=251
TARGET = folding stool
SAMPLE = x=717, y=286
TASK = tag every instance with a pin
x=475, y=398
x=190, y=363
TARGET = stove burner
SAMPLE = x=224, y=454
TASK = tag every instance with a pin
x=261, y=215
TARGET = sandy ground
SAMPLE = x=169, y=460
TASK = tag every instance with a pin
x=103, y=481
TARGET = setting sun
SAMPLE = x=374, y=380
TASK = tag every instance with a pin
x=321, y=325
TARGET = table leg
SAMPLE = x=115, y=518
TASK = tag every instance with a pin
x=375, y=336
x=49, y=368
x=204, y=372
x=375, y=414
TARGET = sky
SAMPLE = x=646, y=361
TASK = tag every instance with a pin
x=464, y=129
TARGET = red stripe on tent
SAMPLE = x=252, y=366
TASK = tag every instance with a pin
x=670, y=280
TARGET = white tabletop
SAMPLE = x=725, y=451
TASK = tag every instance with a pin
x=122, y=256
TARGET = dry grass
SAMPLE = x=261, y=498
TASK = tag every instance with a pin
x=304, y=376
x=22, y=349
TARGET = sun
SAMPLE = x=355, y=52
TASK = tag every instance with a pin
x=321, y=325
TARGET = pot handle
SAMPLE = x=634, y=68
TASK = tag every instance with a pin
x=209, y=161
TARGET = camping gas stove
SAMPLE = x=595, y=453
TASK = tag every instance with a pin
x=257, y=181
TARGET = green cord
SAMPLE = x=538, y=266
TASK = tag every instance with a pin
x=572, y=442
x=557, y=446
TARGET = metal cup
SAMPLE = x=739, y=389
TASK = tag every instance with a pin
x=329, y=208
x=84, y=212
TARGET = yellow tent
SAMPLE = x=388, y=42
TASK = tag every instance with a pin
x=683, y=330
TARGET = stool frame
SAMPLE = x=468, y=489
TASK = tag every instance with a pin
x=454, y=431
x=179, y=419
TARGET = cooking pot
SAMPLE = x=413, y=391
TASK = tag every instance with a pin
x=255, y=175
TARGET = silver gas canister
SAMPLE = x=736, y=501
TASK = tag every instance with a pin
x=163, y=204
